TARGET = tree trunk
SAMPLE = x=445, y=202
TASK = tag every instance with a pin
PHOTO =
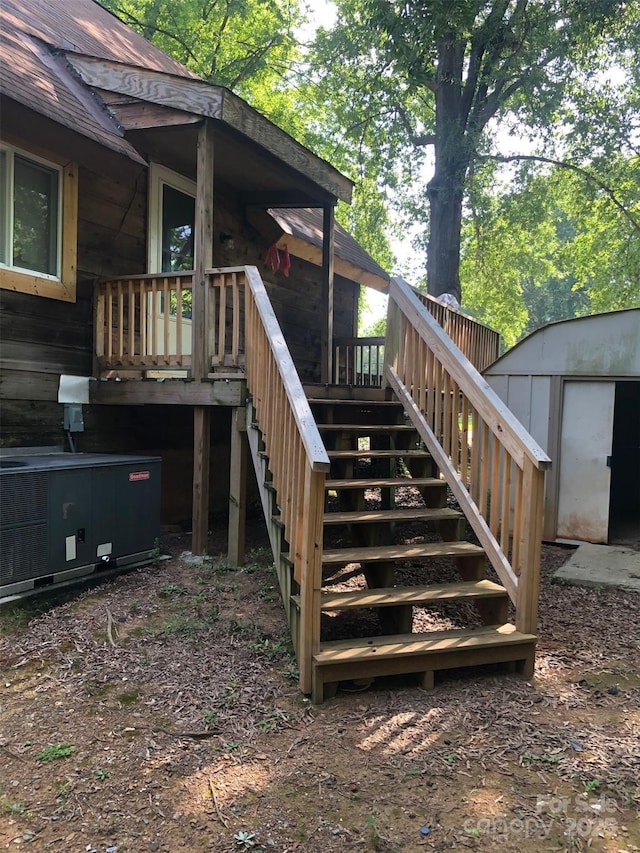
x=445, y=222
x=452, y=152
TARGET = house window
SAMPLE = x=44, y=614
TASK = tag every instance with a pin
x=31, y=217
x=178, y=217
x=37, y=249
x=172, y=206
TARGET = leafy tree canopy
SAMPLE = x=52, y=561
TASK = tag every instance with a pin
x=403, y=76
x=250, y=46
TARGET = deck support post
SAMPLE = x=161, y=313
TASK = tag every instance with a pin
x=203, y=252
x=237, y=488
x=201, y=447
x=203, y=260
x=326, y=332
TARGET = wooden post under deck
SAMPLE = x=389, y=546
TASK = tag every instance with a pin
x=203, y=251
x=201, y=449
x=326, y=332
x=237, y=488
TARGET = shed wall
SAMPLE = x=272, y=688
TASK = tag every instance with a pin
x=529, y=398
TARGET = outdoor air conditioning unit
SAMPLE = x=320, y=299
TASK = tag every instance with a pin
x=65, y=515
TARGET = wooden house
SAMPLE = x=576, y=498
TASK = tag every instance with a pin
x=159, y=235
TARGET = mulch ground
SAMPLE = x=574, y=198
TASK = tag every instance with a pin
x=160, y=712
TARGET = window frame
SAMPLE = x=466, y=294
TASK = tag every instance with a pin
x=158, y=176
x=61, y=286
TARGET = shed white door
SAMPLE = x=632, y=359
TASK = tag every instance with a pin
x=585, y=478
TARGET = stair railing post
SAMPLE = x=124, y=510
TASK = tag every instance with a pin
x=237, y=488
x=392, y=338
x=528, y=569
x=310, y=573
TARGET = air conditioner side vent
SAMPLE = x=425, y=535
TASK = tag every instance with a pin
x=24, y=552
x=24, y=498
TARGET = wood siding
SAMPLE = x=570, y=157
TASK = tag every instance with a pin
x=296, y=298
x=42, y=338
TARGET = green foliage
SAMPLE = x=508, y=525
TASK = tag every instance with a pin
x=249, y=46
x=171, y=590
x=554, y=247
x=531, y=759
x=245, y=840
x=53, y=752
x=398, y=77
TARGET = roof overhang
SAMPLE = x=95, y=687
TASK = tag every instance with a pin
x=197, y=98
x=301, y=231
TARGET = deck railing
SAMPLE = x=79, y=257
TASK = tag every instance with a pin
x=492, y=465
x=143, y=322
x=359, y=361
x=298, y=461
x=479, y=343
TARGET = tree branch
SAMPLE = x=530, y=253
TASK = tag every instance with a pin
x=579, y=170
x=419, y=140
x=423, y=140
x=129, y=19
x=479, y=41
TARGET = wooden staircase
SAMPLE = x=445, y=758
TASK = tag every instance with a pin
x=376, y=461
x=376, y=572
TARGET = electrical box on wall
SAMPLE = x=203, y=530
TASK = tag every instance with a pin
x=67, y=515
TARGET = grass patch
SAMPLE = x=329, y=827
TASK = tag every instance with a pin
x=130, y=697
x=55, y=751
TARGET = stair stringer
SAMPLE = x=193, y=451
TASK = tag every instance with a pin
x=268, y=499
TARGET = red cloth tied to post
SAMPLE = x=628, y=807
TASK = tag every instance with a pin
x=286, y=262
x=272, y=258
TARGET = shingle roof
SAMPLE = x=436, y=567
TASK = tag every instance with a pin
x=306, y=224
x=83, y=26
x=35, y=72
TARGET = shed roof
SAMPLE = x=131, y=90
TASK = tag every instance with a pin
x=598, y=345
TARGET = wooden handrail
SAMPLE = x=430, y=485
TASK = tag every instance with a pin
x=297, y=399
x=492, y=465
x=298, y=461
x=478, y=391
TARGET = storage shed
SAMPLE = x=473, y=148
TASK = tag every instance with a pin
x=575, y=386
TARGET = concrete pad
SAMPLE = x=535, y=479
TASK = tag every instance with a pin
x=602, y=565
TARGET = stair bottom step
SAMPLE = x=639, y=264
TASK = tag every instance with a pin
x=423, y=654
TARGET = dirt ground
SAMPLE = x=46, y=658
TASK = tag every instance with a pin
x=159, y=712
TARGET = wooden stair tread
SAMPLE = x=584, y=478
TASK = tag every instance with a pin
x=378, y=454
x=410, y=645
x=419, y=514
x=414, y=595
x=400, y=552
x=340, y=393
x=363, y=404
x=366, y=428
x=382, y=482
